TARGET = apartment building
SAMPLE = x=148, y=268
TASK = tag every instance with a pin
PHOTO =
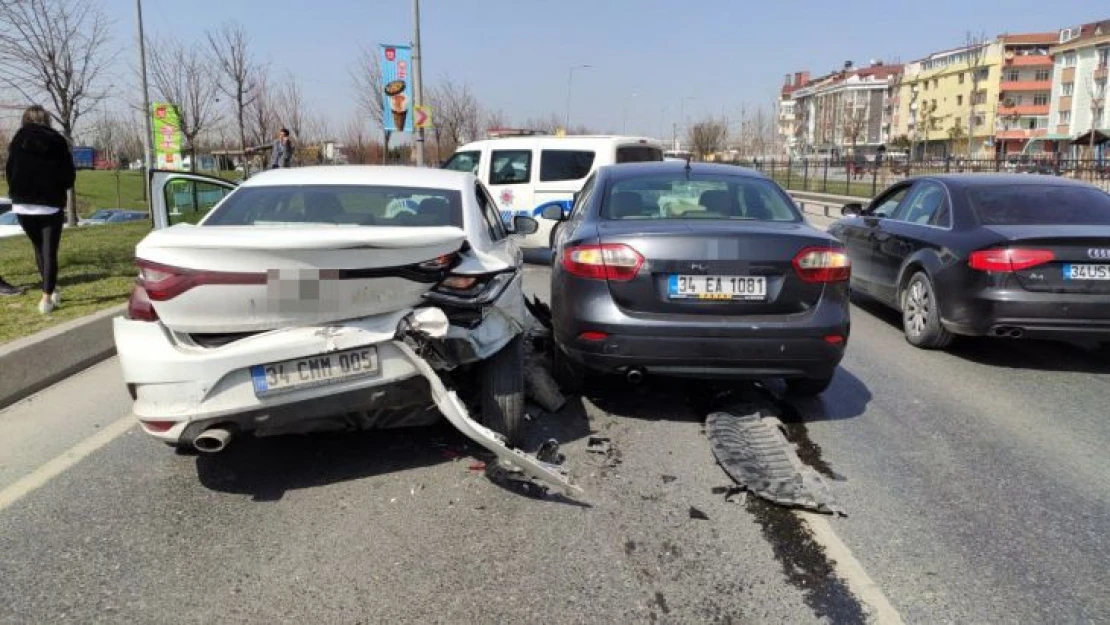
x=1078, y=103
x=947, y=101
x=1024, y=91
x=786, y=117
x=844, y=112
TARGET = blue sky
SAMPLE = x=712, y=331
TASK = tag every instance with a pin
x=515, y=54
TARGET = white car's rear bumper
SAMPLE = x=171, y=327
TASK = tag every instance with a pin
x=174, y=379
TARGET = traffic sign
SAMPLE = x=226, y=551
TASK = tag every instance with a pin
x=423, y=117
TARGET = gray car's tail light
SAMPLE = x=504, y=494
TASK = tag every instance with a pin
x=609, y=261
x=823, y=264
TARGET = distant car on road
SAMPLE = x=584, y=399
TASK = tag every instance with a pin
x=112, y=216
x=1004, y=255
x=696, y=271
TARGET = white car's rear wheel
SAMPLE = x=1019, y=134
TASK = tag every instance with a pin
x=501, y=382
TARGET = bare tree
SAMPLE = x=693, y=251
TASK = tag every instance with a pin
x=181, y=76
x=976, y=44
x=57, y=51
x=262, y=121
x=230, y=50
x=956, y=133
x=291, y=106
x=491, y=119
x=366, y=80
x=1096, y=93
x=457, y=115
x=357, y=145
x=707, y=136
x=854, y=114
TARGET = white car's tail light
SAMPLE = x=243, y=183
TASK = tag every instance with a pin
x=163, y=282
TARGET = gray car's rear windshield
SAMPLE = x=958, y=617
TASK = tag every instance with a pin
x=339, y=204
x=1037, y=205
x=678, y=196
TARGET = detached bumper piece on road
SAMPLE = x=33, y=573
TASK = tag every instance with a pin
x=754, y=452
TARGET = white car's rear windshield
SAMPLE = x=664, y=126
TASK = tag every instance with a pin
x=339, y=205
x=678, y=196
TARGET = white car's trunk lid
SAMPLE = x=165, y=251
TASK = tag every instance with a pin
x=225, y=279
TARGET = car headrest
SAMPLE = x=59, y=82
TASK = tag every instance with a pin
x=716, y=201
x=755, y=206
x=322, y=207
x=434, y=211
x=626, y=204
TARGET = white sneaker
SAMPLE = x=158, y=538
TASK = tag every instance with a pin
x=56, y=298
x=46, y=306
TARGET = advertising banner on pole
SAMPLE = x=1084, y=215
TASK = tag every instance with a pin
x=397, y=88
x=167, y=136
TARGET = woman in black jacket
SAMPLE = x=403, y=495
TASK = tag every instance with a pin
x=40, y=172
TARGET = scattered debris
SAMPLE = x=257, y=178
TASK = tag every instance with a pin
x=720, y=490
x=698, y=514
x=477, y=465
x=667, y=479
x=541, y=388
x=598, y=445
x=737, y=495
x=549, y=452
x=754, y=452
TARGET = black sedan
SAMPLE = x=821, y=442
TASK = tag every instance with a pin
x=696, y=270
x=985, y=255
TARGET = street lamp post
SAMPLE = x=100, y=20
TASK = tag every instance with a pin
x=148, y=136
x=681, y=118
x=570, y=81
x=418, y=77
x=624, y=113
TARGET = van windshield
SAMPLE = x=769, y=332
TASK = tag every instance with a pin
x=464, y=161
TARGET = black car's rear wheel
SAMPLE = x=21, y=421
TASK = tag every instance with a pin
x=921, y=315
x=808, y=387
x=501, y=383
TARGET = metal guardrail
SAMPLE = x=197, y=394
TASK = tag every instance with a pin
x=826, y=205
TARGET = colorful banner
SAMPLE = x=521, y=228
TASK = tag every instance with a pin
x=397, y=88
x=167, y=136
x=423, y=117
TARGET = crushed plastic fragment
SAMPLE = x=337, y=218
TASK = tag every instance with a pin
x=667, y=479
x=698, y=514
x=755, y=453
x=598, y=445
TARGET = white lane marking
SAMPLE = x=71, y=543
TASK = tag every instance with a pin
x=850, y=570
x=52, y=469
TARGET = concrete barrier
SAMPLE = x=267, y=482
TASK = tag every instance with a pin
x=32, y=363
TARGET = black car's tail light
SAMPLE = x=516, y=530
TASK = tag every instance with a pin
x=1008, y=260
x=609, y=261
x=823, y=264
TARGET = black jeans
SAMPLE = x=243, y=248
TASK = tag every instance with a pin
x=45, y=232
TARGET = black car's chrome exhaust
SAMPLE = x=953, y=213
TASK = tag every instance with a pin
x=634, y=375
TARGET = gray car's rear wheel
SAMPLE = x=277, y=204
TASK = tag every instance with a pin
x=501, y=384
x=921, y=315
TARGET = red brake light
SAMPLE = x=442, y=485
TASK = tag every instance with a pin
x=163, y=283
x=823, y=264
x=1009, y=259
x=158, y=427
x=609, y=261
x=593, y=336
x=139, y=307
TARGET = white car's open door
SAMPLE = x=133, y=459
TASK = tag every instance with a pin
x=180, y=197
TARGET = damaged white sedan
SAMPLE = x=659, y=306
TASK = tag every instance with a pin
x=327, y=298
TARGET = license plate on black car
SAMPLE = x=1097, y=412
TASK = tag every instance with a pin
x=717, y=287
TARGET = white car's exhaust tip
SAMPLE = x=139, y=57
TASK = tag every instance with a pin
x=212, y=441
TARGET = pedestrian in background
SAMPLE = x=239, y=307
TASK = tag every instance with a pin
x=40, y=172
x=282, y=155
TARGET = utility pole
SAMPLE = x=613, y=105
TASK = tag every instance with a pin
x=148, y=136
x=570, y=84
x=418, y=80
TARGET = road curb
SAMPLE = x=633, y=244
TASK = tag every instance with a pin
x=35, y=362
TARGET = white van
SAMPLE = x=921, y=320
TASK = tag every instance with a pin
x=525, y=174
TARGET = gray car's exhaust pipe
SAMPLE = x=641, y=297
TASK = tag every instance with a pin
x=212, y=441
x=634, y=375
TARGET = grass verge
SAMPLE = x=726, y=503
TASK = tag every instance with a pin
x=96, y=271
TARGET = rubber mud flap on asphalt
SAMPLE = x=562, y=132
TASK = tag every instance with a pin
x=754, y=452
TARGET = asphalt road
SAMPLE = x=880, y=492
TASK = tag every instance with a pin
x=975, y=481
